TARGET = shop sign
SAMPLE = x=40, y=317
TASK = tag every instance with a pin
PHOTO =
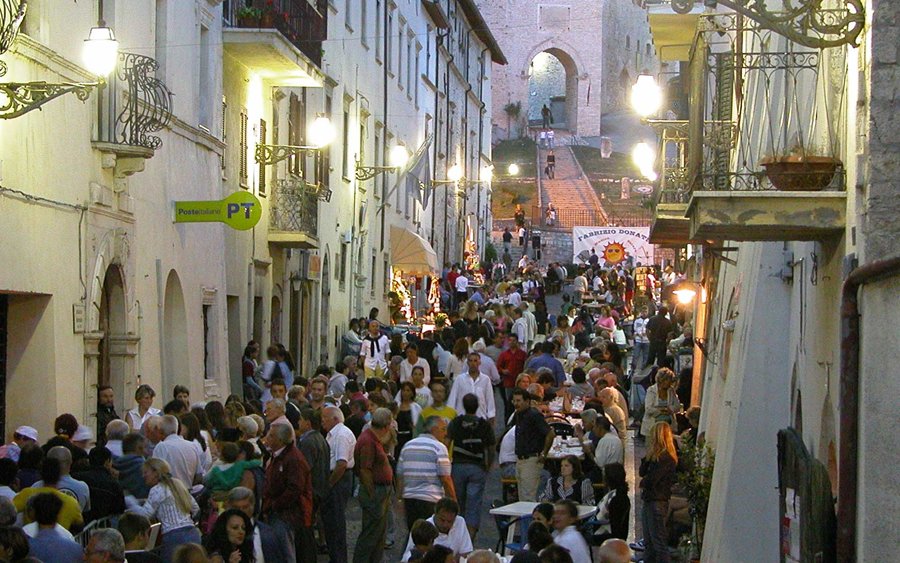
x=240, y=211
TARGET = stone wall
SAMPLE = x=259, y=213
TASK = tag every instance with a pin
x=628, y=50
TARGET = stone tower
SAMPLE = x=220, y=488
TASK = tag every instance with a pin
x=600, y=46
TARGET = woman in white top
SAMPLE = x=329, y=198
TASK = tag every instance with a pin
x=411, y=362
x=169, y=502
x=137, y=416
x=457, y=363
x=423, y=393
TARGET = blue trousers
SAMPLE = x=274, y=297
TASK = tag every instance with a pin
x=468, y=480
x=179, y=536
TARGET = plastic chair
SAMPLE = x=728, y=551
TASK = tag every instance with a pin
x=503, y=526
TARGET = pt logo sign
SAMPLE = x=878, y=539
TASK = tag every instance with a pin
x=240, y=211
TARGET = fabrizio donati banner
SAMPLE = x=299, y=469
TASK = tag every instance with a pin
x=613, y=245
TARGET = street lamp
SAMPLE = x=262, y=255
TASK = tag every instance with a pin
x=644, y=158
x=398, y=157
x=646, y=96
x=685, y=291
x=513, y=169
x=455, y=173
x=487, y=173
x=321, y=134
x=100, y=52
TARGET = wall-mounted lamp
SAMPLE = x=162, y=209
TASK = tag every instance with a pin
x=321, y=133
x=398, y=157
x=686, y=291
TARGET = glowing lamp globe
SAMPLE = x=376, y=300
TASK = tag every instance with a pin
x=321, y=132
x=646, y=96
x=100, y=51
x=399, y=156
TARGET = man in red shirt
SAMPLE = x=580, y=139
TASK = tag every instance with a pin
x=510, y=364
x=287, y=493
x=375, y=484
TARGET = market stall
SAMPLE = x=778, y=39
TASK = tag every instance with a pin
x=414, y=298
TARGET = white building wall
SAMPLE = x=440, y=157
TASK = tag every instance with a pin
x=61, y=254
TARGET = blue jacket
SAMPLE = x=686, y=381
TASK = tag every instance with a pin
x=547, y=361
x=48, y=545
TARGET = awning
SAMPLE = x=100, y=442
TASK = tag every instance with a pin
x=411, y=254
x=673, y=35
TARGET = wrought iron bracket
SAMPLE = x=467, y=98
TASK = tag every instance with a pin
x=19, y=98
x=368, y=172
x=273, y=154
x=802, y=21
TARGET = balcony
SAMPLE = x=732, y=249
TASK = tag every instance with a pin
x=758, y=102
x=134, y=106
x=281, y=40
x=294, y=214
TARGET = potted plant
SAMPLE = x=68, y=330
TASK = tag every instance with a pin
x=267, y=19
x=801, y=169
x=698, y=461
x=248, y=16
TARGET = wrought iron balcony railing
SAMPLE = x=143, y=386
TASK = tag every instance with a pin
x=302, y=22
x=135, y=104
x=295, y=206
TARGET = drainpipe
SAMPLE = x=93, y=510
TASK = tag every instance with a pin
x=848, y=491
x=481, y=227
x=438, y=40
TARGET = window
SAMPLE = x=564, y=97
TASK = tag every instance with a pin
x=345, y=142
x=207, y=342
x=378, y=16
x=262, y=167
x=427, y=53
x=342, y=266
x=387, y=273
x=325, y=155
x=416, y=74
x=348, y=14
x=628, y=42
x=363, y=22
x=372, y=277
x=204, y=85
x=389, y=40
x=296, y=163
x=410, y=65
x=242, y=147
x=224, y=131
x=377, y=158
x=363, y=138
x=400, y=48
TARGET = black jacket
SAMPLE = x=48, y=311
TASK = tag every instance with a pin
x=658, y=478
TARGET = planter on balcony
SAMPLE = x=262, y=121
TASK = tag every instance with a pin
x=248, y=21
x=267, y=21
x=800, y=173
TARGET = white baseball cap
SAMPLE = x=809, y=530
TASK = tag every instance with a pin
x=27, y=432
x=84, y=433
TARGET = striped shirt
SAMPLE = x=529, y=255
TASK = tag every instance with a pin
x=161, y=505
x=423, y=461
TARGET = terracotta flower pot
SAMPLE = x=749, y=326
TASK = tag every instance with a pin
x=800, y=173
x=267, y=20
x=247, y=22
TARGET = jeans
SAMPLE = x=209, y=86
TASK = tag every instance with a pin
x=334, y=518
x=179, y=536
x=417, y=509
x=639, y=355
x=468, y=480
x=305, y=544
x=653, y=520
x=284, y=529
x=370, y=542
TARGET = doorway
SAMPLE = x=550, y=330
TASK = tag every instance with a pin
x=174, y=336
x=324, y=328
x=553, y=81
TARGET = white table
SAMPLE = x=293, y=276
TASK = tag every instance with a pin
x=523, y=508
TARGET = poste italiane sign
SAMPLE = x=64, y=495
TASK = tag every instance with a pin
x=240, y=211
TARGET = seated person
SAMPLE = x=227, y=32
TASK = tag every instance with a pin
x=571, y=484
x=614, y=508
x=135, y=530
x=68, y=514
x=423, y=534
x=451, y=527
x=47, y=545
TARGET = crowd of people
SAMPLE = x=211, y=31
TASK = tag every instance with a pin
x=418, y=420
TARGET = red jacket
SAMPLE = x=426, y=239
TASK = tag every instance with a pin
x=510, y=364
x=287, y=493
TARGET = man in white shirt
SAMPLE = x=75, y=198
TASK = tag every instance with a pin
x=181, y=455
x=462, y=289
x=565, y=516
x=530, y=325
x=413, y=360
x=116, y=431
x=451, y=527
x=513, y=297
x=476, y=383
x=373, y=351
x=610, y=448
x=520, y=327
x=488, y=366
x=341, y=443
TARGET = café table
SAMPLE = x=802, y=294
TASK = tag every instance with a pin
x=523, y=510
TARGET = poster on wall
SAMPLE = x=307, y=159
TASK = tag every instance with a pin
x=614, y=245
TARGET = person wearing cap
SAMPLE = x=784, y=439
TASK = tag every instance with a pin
x=23, y=435
x=83, y=437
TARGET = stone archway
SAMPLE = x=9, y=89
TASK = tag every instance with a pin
x=110, y=339
x=174, y=336
x=553, y=80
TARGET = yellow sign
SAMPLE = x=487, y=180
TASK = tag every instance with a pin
x=241, y=211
